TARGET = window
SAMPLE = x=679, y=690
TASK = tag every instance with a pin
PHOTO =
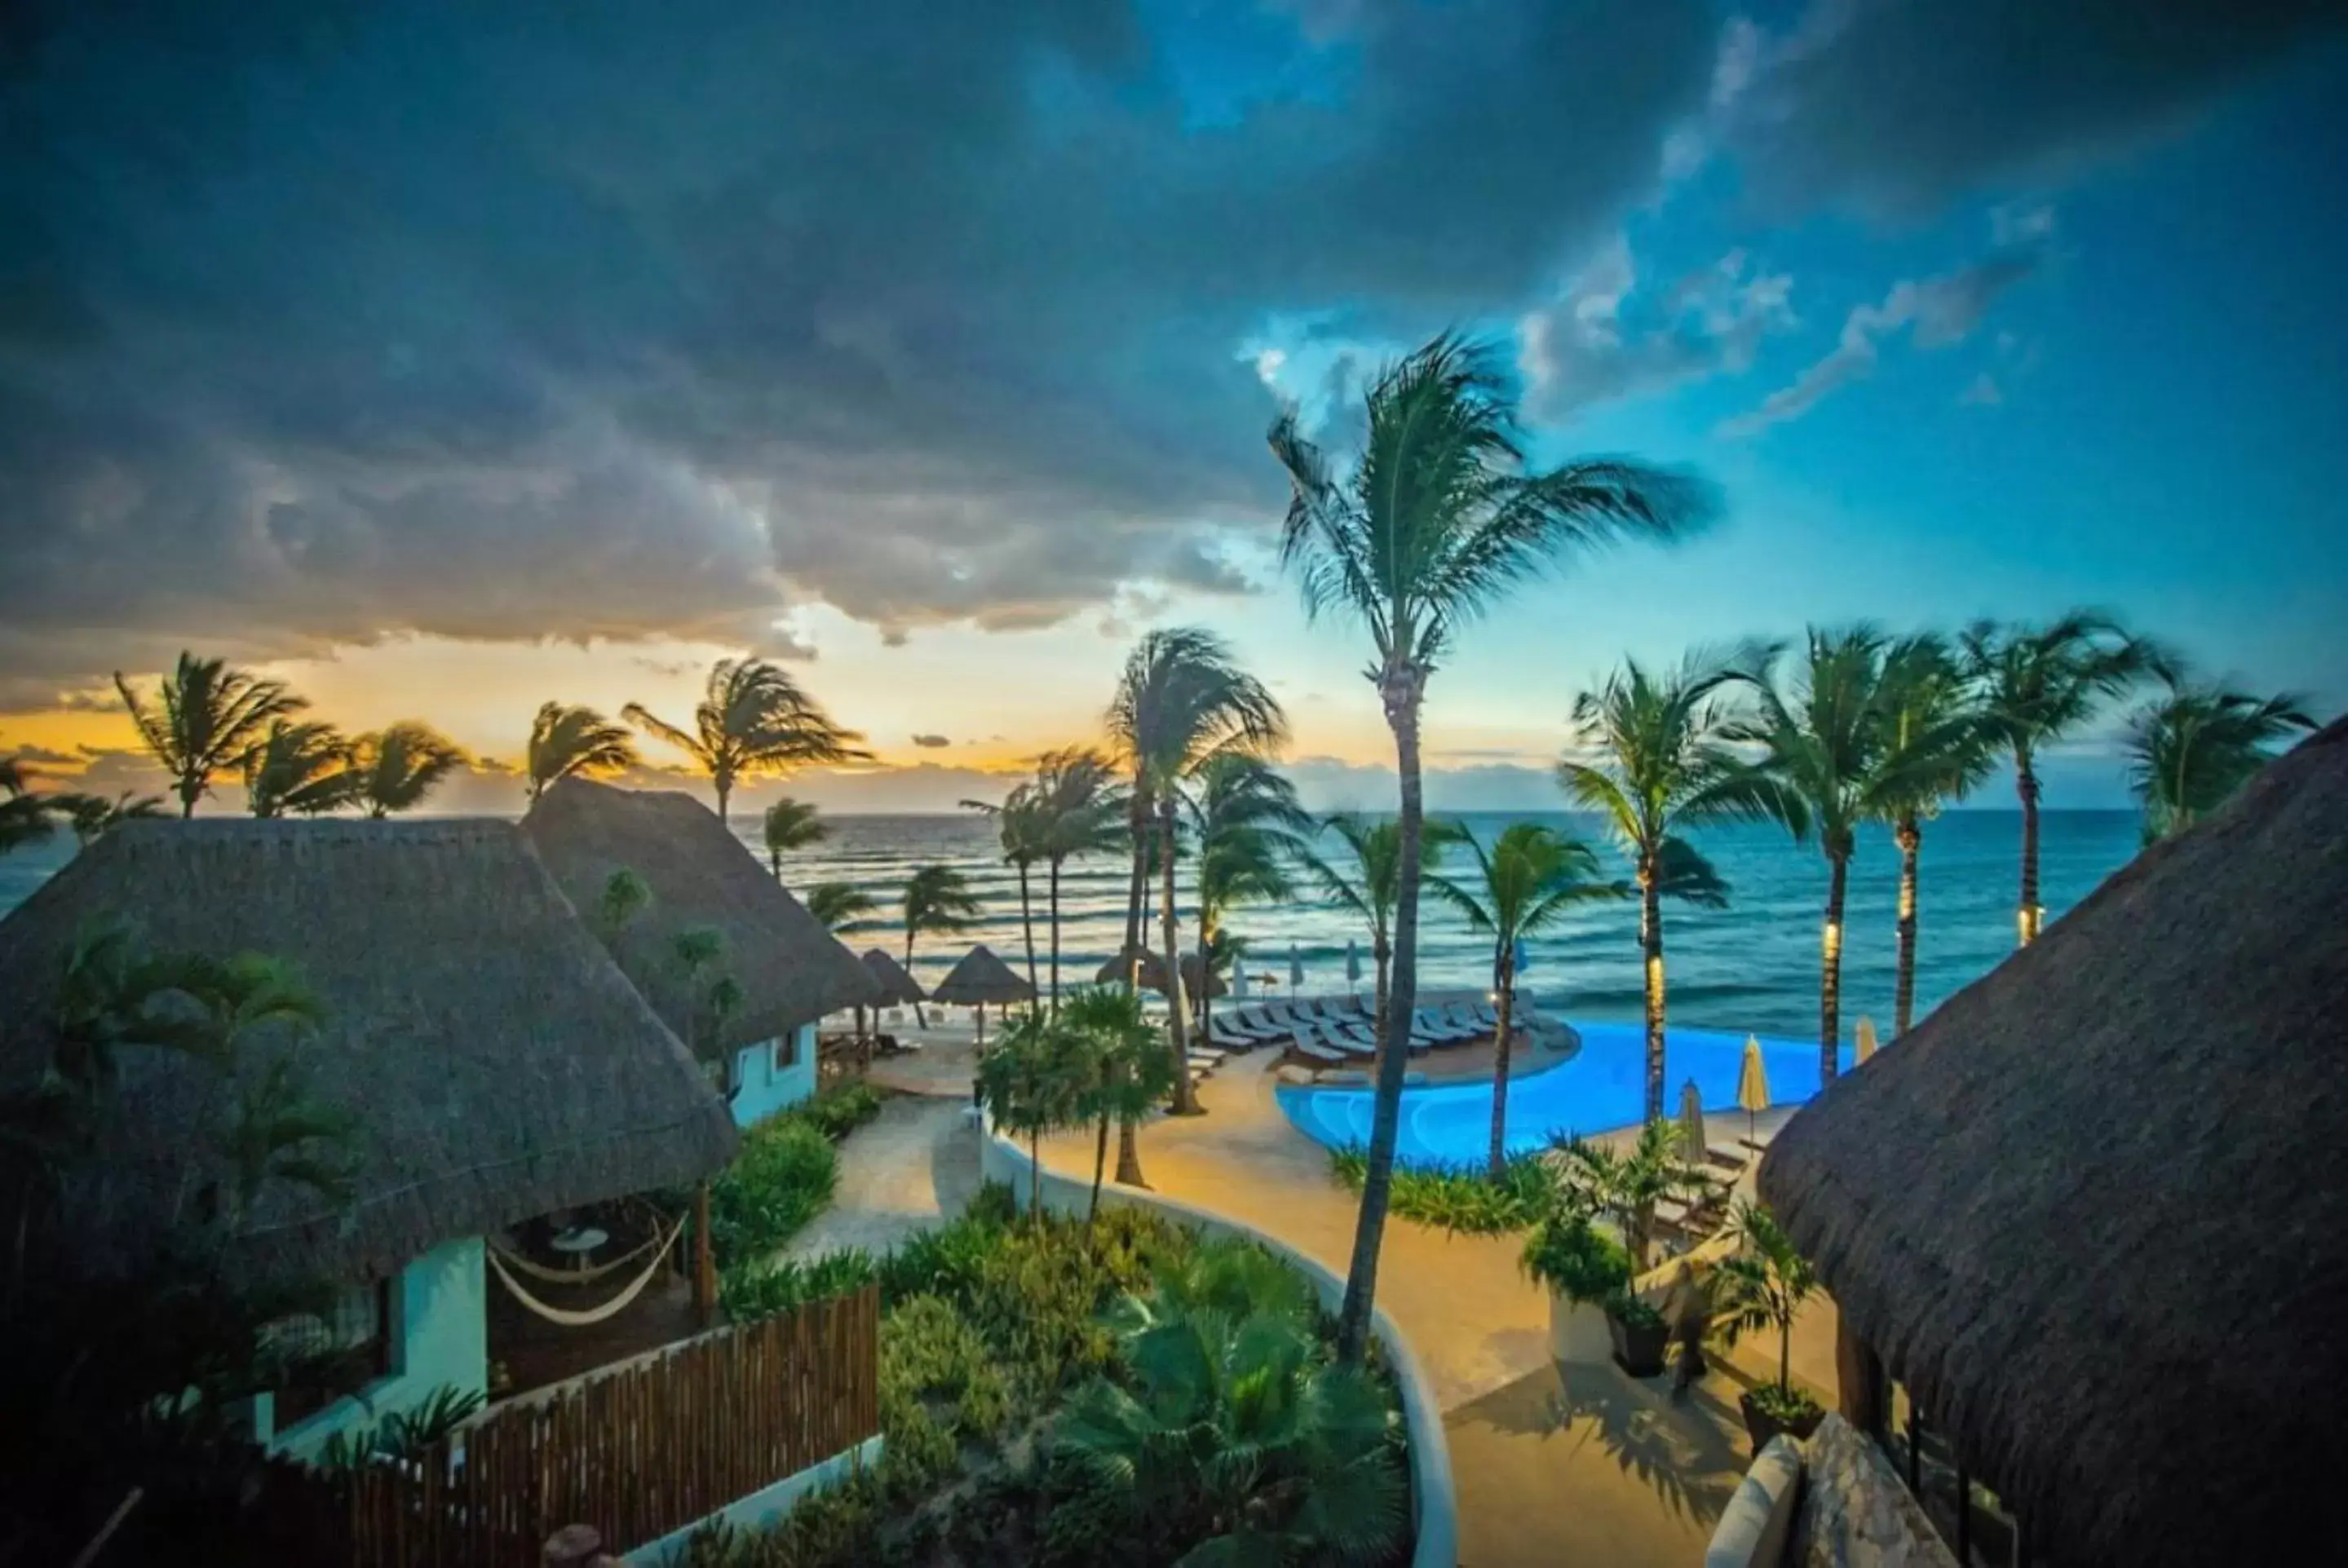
x=334, y=1352
x=786, y=1050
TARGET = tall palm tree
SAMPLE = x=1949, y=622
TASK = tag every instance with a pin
x=400, y=765
x=937, y=902
x=791, y=824
x=835, y=904
x=2196, y=743
x=1824, y=728
x=1080, y=811
x=1366, y=883
x=1018, y=827
x=1245, y=824
x=1664, y=767
x=753, y=718
x=302, y=770
x=1129, y=1070
x=1938, y=748
x=206, y=717
x=1183, y=700
x=1531, y=878
x=2039, y=684
x=1438, y=519
x=566, y=740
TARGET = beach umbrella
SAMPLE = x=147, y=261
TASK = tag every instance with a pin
x=1692, y=1122
x=1519, y=960
x=979, y=978
x=1296, y=967
x=1866, y=1047
x=1353, y=962
x=1239, y=981
x=1752, y=1084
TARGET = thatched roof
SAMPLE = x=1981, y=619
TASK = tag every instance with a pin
x=897, y=986
x=790, y=969
x=981, y=980
x=2094, y=1211
x=498, y=1064
x=1153, y=973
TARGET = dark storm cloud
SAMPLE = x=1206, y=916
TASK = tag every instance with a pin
x=326, y=322
x=1897, y=106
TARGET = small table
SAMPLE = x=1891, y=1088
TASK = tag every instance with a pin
x=579, y=1243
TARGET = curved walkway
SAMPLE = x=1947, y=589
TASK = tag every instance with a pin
x=1549, y=1468
x=907, y=1169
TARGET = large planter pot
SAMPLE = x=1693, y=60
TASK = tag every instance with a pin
x=1639, y=1347
x=1578, y=1334
x=1761, y=1426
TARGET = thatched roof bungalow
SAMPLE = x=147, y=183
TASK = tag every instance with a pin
x=499, y=1065
x=898, y=987
x=2094, y=1213
x=791, y=971
x=981, y=979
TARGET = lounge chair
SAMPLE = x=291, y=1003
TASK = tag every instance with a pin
x=1245, y=1023
x=1206, y=1056
x=1323, y=1053
x=1331, y=1035
x=1220, y=1035
x=1463, y=1014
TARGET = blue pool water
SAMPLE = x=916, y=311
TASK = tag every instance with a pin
x=1603, y=1087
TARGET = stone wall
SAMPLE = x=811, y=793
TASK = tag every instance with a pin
x=1856, y=1513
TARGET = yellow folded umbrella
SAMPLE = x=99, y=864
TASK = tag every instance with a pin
x=1752, y=1083
x=1866, y=1040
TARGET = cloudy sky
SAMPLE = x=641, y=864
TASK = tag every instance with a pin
x=449, y=357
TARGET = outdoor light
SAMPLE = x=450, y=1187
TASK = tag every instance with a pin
x=1833, y=946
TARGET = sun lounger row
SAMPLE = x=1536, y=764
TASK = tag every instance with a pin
x=1333, y=1031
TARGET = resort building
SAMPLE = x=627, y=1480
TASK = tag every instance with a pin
x=498, y=1066
x=733, y=964
x=2092, y=1216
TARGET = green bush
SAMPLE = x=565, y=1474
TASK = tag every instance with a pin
x=781, y=1178
x=1461, y=1199
x=1576, y=1259
x=751, y=1291
x=839, y=1110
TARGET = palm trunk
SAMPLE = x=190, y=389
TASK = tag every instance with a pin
x=2026, y=785
x=1129, y=1156
x=1100, y=1164
x=725, y=790
x=1053, y=920
x=1831, y=970
x=190, y=789
x=1035, y=1178
x=1185, y=1101
x=1140, y=824
x=1909, y=834
x=1027, y=926
x=919, y=1016
x=1205, y=979
x=1651, y=939
x=1401, y=698
x=1500, y=1042
x=1382, y=961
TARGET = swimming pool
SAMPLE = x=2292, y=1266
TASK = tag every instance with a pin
x=1603, y=1087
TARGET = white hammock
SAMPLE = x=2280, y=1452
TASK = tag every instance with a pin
x=536, y=1270
x=611, y=1308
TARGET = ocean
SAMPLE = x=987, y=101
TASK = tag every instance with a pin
x=1751, y=967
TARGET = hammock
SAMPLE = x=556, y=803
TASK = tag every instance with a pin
x=611, y=1308
x=536, y=1270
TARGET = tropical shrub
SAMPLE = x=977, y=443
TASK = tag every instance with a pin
x=403, y=1434
x=780, y=1179
x=1574, y=1258
x=839, y=1110
x=1763, y=1287
x=762, y=1288
x=1464, y=1199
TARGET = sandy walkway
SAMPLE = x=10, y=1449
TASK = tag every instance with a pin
x=905, y=1171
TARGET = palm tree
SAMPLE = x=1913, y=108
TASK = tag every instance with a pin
x=2039, y=684
x=1367, y=883
x=938, y=902
x=1626, y=1185
x=1183, y=700
x=2191, y=747
x=835, y=904
x=1765, y=1282
x=1037, y=1079
x=24, y=815
x=1827, y=737
x=1664, y=767
x=1018, y=825
x=1436, y=521
x=1245, y=822
x=301, y=769
x=400, y=765
x=1937, y=749
x=1080, y=811
x=93, y=816
x=791, y=824
x=1130, y=1070
x=753, y=718
x=1530, y=879
x=565, y=740
x=207, y=717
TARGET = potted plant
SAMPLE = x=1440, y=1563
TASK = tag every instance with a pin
x=1582, y=1268
x=1641, y=1333
x=1763, y=1286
